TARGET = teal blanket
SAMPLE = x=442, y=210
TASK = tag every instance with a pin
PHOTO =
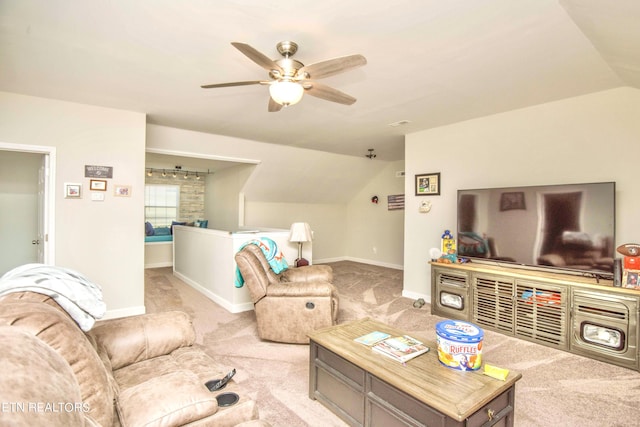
x=270, y=250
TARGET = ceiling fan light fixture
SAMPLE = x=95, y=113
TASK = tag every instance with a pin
x=286, y=92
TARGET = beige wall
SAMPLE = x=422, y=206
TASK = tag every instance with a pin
x=104, y=240
x=328, y=223
x=584, y=139
x=222, y=200
x=375, y=233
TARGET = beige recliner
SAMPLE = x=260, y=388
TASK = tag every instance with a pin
x=291, y=304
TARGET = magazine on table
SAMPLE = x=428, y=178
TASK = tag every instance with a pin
x=401, y=348
x=372, y=338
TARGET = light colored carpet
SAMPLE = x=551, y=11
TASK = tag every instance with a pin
x=557, y=388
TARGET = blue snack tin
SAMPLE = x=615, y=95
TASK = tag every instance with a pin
x=459, y=344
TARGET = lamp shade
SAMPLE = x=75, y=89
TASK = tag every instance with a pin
x=286, y=92
x=300, y=232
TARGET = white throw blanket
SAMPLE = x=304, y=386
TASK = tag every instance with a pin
x=80, y=297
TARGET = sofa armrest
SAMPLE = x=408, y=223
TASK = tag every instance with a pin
x=132, y=339
x=301, y=289
x=309, y=273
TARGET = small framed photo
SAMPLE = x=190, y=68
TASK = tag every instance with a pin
x=122, y=190
x=630, y=279
x=512, y=200
x=98, y=185
x=72, y=191
x=428, y=184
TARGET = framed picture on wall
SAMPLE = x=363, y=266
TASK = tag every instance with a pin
x=428, y=184
x=98, y=185
x=72, y=191
x=512, y=200
x=122, y=190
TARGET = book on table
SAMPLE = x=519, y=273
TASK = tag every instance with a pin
x=401, y=348
x=372, y=338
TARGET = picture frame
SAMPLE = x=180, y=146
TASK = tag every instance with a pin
x=630, y=279
x=428, y=184
x=512, y=201
x=98, y=185
x=72, y=190
x=122, y=190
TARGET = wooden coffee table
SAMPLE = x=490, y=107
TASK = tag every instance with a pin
x=365, y=388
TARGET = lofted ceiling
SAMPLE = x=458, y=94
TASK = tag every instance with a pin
x=430, y=63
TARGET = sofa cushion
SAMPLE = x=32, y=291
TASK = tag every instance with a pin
x=55, y=328
x=162, y=231
x=178, y=398
x=133, y=339
x=186, y=358
x=148, y=229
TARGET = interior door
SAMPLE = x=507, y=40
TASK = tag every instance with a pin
x=21, y=207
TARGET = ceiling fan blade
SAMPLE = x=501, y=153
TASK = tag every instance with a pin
x=328, y=93
x=274, y=107
x=332, y=66
x=257, y=57
x=247, y=83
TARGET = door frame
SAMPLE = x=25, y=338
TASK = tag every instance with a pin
x=49, y=199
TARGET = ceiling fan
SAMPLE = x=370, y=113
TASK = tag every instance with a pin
x=291, y=79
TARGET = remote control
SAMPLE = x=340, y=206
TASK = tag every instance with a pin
x=223, y=382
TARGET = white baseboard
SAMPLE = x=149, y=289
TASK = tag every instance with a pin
x=416, y=295
x=124, y=312
x=231, y=308
x=360, y=260
x=159, y=264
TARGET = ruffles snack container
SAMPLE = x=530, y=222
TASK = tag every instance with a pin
x=459, y=344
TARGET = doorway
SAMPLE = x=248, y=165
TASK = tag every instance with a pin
x=26, y=205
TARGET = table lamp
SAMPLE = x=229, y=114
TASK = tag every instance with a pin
x=300, y=233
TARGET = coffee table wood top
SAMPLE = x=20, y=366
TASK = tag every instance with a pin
x=457, y=394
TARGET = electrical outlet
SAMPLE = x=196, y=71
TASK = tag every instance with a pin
x=375, y=250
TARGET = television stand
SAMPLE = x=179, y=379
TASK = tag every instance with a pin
x=582, y=315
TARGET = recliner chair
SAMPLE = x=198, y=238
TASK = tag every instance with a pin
x=291, y=304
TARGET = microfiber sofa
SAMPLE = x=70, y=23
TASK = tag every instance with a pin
x=135, y=371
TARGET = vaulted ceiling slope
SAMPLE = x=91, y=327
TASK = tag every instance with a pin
x=430, y=62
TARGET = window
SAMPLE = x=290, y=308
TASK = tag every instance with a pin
x=161, y=203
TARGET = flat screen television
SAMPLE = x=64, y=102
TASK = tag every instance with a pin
x=567, y=227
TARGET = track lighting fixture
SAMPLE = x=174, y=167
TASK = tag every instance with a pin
x=186, y=174
x=371, y=155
